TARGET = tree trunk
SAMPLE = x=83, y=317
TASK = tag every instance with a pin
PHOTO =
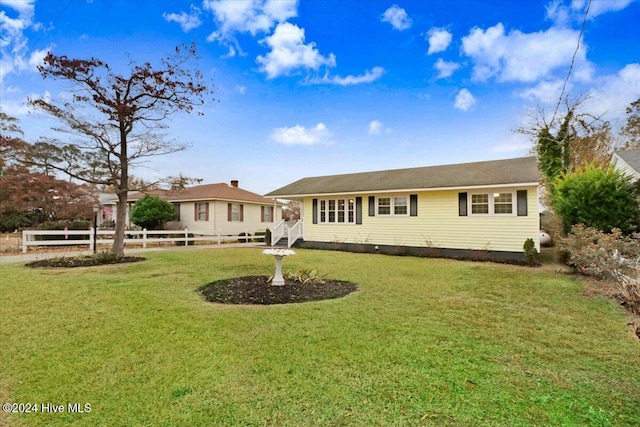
x=121, y=223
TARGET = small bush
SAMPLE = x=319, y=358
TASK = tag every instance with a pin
x=151, y=212
x=12, y=219
x=267, y=237
x=531, y=256
x=607, y=256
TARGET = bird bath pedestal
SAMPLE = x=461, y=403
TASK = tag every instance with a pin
x=278, y=254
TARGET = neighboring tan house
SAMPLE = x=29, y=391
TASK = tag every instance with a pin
x=628, y=161
x=217, y=208
x=483, y=210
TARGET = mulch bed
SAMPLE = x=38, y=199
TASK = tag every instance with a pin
x=256, y=290
x=82, y=261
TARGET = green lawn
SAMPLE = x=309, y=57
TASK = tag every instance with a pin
x=424, y=342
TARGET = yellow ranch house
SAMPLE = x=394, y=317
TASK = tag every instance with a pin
x=482, y=210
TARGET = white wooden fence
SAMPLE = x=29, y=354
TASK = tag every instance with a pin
x=138, y=237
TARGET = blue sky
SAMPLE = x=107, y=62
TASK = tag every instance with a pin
x=317, y=87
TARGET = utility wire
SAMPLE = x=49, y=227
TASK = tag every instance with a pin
x=573, y=60
x=35, y=43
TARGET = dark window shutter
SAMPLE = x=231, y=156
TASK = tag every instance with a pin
x=241, y=213
x=262, y=214
x=358, y=210
x=413, y=205
x=229, y=216
x=372, y=206
x=522, y=203
x=314, y=209
x=462, y=204
x=195, y=211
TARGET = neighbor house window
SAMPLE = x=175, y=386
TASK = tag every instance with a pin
x=202, y=211
x=235, y=212
x=267, y=214
x=393, y=206
x=337, y=211
x=492, y=204
x=176, y=209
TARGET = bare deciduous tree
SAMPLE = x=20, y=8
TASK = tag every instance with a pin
x=115, y=121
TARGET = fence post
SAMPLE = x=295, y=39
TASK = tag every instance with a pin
x=144, y=238
x=186, y=237
x=218, y=234
x=91, y=233
x=25, y=237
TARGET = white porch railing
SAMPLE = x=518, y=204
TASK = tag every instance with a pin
x=279, y=231
x=296, y=232
x=139, y=237
x=292, y=233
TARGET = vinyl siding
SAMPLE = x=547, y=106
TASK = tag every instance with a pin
x=218, y=219
x=437, y=225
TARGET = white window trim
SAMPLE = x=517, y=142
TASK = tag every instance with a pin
x=393, y=198
x=492, y=193
x=346, y=211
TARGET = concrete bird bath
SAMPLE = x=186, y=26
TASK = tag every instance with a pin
x=278, y=254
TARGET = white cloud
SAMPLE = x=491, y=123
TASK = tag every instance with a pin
x=15, y=56
x=397, y=17
x=253, y=16
x=464, y=100
x=524, y=57
x=545, y=91
x=613, y=93
x=299, y=135
x=369, y=76
x=439, y=40
x=289, y=52
x=21, y=6
x=563, y=13
x=445, y=68
x=187, y=21
x=375, y=127
x=598, y=7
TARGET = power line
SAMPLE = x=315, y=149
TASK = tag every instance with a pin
x=34, y=44
x=573, y=60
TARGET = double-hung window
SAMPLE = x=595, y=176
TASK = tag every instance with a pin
x=337, y=211
x=235, y=212
x=397, y=206
x=492, y=203
x=176, y=208
x=202, y=211
x=267, y=214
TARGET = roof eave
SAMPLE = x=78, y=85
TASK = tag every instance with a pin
x=405, y=190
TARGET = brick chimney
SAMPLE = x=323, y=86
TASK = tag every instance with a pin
x=234, y=183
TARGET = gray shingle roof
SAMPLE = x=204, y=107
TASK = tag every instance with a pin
x=631, y=157
x=495, y=172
